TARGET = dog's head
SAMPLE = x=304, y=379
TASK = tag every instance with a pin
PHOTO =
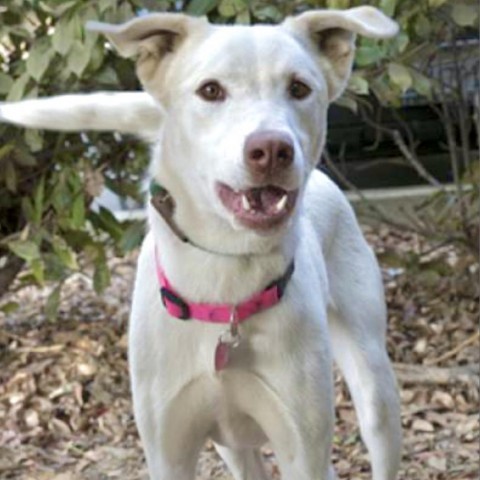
x=245, y=109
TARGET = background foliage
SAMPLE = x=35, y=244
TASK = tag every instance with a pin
x=48, y=181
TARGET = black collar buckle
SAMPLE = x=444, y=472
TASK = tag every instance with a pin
x=169, y=297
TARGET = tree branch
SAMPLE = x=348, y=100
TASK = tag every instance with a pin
x=426, y=375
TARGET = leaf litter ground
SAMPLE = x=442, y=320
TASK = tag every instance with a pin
x=65, y=407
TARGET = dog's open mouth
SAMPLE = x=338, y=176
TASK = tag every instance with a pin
x=259, y=207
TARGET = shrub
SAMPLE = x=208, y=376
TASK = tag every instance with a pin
x=49, y=182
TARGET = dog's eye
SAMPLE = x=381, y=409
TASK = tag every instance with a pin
x=212, y=91
x=299, y=90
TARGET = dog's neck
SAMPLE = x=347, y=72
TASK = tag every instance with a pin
x=164, y=204
x=186, y=214
x=216, y=272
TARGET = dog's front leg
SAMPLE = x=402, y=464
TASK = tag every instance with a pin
x=291, y=400
x=311, y=460
x=302, y=435
x=172, y=436
x=173, y=422
x=364, y=362
x=358, y=327
x=172, y=414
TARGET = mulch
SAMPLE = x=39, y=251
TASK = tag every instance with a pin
x=65, y=408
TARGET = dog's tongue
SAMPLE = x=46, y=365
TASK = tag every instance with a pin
x=265, y=199
x=260, y=208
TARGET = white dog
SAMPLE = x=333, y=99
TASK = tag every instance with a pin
x=254, y=269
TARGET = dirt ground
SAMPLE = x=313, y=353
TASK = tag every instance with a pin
x=65, y=409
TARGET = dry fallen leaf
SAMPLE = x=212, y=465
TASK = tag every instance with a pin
x=444, y=399
x=420, y=425
x=438, y=463
x=65, y=401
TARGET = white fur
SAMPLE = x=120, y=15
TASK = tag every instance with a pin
x=278, y=386
x=126, y=112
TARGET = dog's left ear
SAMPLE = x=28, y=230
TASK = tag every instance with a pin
x=151, y=38
x=333, y=33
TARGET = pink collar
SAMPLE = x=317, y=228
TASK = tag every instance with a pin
x=220, y=313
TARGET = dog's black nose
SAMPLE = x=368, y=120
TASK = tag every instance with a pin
x=268, y=152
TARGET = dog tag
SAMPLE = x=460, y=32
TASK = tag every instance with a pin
x=222, y=355
x=226, y=342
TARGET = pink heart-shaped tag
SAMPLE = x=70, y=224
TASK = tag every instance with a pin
x=222, y=355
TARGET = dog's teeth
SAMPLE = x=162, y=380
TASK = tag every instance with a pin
x=281, y=203
x=245, y=203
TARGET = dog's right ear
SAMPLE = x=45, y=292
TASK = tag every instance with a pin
x=332, y=34
x=149, y=37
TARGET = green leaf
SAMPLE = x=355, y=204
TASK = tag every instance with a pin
x=6, y=83
x=78, y=58
x=10, y=176
x=107, y=76
x=383, y=90
x=18, y=88
x=132, y=237
x=59, y=7
x=368, y=55
x=53, y=302
x=401, y=42
x=63, y=36
x=124, y=12
x=77, y=239
x=78, y=212
x=38, y=201
x=201, y=7
x=243, y=18
x=9, y=307
x=106, y=221
x=423, y=27
x=347, y=102
x=422, y=84
x=107, y=4
x=65, y=254
x=227, y=8
x=38, y=270
x=32, y=92
x=25, y=249
x=338, y=4
x=53, y=266
x=34, y=139
x=400, y=76
x=89, y=13
x=27, y=209
x=358, y=85
x=39, y=58
x=269, y=14
x=101, y=275
x=465, y=15
x=24, y=158
x=5, y=150
x=230, y=8
x=97, y=57
x=388, y=7
x=436, y=3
